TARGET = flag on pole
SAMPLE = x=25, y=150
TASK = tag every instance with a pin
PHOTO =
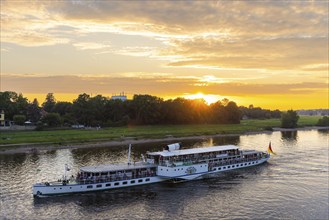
x=270, y=149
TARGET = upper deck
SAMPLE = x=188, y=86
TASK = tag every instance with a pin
x=115, y=167
x=193, y=151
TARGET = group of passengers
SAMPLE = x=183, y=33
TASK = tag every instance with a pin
x=120, y=175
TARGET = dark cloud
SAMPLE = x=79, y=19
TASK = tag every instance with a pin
x=287, y=53
x=164, y=86
x=248, y=18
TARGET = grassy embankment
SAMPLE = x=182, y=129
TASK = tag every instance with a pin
x=70, y=136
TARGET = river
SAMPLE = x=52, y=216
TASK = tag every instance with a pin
x=291, y=185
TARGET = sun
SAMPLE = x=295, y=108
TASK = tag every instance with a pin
x=208, y=98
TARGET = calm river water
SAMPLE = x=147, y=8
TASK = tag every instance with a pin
x=292, y=185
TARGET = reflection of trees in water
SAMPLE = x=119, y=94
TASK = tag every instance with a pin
x=324, y=132
x=101, y=155
x=10, y=161
x=289, y=135
x=225, y=140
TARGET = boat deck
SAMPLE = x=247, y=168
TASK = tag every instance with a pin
x=115, y=167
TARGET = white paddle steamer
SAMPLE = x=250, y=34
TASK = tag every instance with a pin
x=171, y=164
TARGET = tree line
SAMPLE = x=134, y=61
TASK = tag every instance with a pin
x=141, y=110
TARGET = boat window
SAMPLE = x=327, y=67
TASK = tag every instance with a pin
x=116, y=184
x=125, y=183
x=245, y=164
x=147, y=179
x=233, y=166
x=249, y=163
x=54, y=188
x=89, y=187
x=224, y=167
x=108, y=184
x=219, y=168
x=140, y=180
x=99, y=185
x=133, y=181
x=229, y=167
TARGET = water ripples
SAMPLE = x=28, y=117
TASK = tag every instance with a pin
x=292, y=185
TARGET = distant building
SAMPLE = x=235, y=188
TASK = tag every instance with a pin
x=2, y=118
x=311, y=112
x=122, y=96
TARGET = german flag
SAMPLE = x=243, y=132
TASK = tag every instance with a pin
x=270, y=149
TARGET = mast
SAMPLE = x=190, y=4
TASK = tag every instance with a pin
x=129, y=152
x=65, y=169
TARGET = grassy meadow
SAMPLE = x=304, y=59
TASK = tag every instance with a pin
x=61, y=137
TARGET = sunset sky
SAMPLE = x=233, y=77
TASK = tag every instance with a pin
x=272, y=54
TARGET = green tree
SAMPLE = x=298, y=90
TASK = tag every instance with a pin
x=49, y=103
x=8, y=104
x=21, y=104
x=62, y=108
x=324, y=121
x=116, y=112
x=289, y=119
x=146, y=109
x=81, y=109
x=51, y=119
x=233, y=113
x=19, y=119
x=33, y=111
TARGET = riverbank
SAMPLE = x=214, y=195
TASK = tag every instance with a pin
x=31, y=148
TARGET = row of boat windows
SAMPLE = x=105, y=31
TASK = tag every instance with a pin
x=233, y=166
x=178, y=169
x=114, y=184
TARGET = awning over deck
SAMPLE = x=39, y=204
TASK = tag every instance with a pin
x=194, y=151
x=115, y=167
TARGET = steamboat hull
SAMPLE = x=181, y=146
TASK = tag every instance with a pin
x=48, y=189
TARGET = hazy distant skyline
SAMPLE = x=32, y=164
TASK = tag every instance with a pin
x=272, y=54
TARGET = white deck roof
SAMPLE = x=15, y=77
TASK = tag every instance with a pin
x=194, y=151
x=115, y=167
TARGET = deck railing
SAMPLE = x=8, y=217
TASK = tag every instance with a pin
x=112, y=178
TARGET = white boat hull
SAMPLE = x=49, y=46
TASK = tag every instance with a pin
x=54, y=189
x=41, y=189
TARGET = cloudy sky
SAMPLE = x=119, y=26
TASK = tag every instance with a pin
x=272, y=54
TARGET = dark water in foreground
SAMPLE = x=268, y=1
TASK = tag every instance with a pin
x=292, y=185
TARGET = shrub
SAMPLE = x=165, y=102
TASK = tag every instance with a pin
x=324, y=121
x=52, y=119
x=19, y=119
x=289, y=119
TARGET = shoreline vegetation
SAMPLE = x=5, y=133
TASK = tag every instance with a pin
x=31, y=141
